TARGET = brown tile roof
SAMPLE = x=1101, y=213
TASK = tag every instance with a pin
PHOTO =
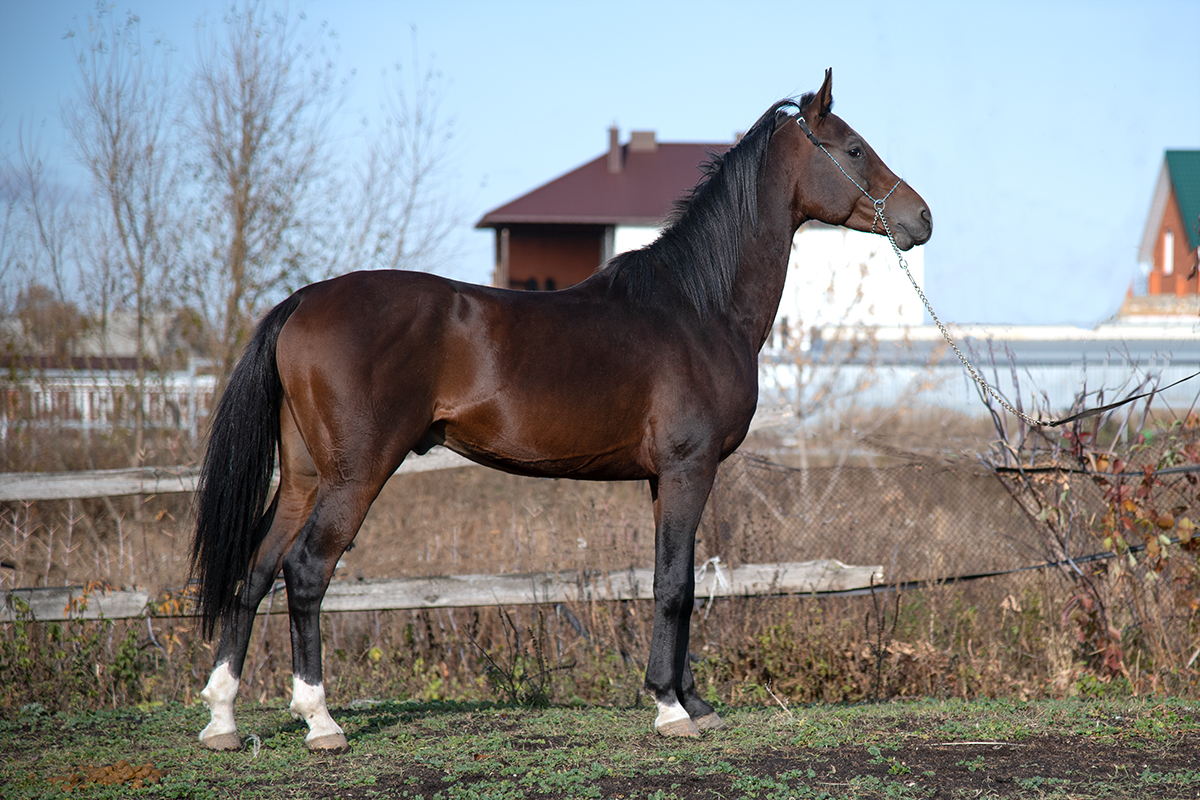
x=642, y=193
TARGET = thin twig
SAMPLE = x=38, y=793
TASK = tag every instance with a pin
x=782, y=704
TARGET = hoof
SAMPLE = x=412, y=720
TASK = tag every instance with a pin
x=680, y=727
x=331, y=743
x=223, y=741
x=711, y=722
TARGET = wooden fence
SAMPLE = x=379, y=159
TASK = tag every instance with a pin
x=456, y=591
x=31, y=486
x=715, y=580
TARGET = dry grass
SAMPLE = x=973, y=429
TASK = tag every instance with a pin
x=938, y=515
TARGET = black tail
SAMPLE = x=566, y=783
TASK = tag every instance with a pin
x=236, y=477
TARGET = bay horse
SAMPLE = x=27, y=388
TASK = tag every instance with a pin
x=647, y=370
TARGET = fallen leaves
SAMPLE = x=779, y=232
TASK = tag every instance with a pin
x=117, y=774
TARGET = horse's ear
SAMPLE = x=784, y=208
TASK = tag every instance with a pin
x=825, y=95
x=817, y=106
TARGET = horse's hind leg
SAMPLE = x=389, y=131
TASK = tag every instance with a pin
x=222, y=687
x=307, y=568
x=221, y=731
x=703, y=715
x=291, y=507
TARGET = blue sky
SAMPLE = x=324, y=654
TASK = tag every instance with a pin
x=1034, y=130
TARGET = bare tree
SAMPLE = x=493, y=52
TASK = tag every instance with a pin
x=49, y=324
x=46, y=210
x=9, y=225
x=261, y=101
x=119, y=129
x=402, y=214
x=42, y=239
x=32, y=224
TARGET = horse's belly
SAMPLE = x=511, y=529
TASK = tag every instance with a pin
x=527, y=458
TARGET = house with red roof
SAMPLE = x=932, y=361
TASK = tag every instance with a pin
x=559, y=233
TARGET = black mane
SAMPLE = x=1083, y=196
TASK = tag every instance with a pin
x=697, y=254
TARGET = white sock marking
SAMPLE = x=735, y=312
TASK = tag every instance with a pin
x=308, y=704
x=218, y=695
x=669, y=711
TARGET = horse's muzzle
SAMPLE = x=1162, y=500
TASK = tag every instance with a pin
x=912, y=232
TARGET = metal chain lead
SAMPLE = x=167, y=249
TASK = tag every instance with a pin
x=946, y=334
x=880, y=218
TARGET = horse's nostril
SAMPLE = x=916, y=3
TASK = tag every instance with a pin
x=925, y=215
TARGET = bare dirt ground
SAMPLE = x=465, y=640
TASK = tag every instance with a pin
x=1069, y=767
x=1052, y=750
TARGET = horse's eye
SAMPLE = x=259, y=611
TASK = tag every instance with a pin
x=854, y=152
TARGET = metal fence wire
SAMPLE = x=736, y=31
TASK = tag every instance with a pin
x=921, y=522
x=927, y=520
x=931, y=520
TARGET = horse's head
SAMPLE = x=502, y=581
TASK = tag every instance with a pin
x=837, y=170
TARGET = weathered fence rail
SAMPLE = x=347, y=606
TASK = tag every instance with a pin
x=31, y=486
x=456, y=591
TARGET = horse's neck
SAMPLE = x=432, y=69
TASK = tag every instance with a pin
x=762, y=271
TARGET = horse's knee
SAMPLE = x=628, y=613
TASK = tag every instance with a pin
x=673, y=602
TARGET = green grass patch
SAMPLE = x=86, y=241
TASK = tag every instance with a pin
x=1075, y=748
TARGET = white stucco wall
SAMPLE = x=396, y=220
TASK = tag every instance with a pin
x=835, y=276
x=839, y=276
x=631, y=237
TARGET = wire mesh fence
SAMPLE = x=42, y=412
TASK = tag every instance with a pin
x=920, y=521
x=928, y=519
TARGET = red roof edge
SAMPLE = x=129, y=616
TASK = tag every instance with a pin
x=642, y=191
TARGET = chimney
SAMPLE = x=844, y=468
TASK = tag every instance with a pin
x=615, y=157
x=642, y=142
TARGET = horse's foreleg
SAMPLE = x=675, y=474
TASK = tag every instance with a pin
x=678, y=503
